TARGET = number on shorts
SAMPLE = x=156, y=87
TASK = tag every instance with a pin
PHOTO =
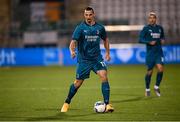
x=162, y=59
x=103, y=64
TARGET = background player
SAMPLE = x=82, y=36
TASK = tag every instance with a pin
x=86, y=38
x=153, y=36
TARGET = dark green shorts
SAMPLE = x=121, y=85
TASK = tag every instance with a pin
x=84, y=68
x=153, y=60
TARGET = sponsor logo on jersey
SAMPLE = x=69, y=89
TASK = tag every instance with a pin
x=155, y=35
x=91, y=38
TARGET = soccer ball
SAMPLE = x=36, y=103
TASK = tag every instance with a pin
x=99, y=107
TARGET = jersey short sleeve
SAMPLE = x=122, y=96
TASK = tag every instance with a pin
x=77, y=33
x=162, y=33
x=142, y=35
x=103, y=34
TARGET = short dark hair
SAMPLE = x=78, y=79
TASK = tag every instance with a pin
x=89, y=9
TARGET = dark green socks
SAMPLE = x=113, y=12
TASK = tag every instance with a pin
x=105, y=91
x=72, y=92
x=159, y=78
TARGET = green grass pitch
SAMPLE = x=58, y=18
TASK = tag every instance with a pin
x=37, y=94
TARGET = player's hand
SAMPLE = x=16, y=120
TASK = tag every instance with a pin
x=73, y=54
x=107, y=57
x=152, y=42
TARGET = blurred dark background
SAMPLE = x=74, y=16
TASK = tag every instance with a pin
x=50, y=23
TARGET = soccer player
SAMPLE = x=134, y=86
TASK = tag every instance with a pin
x=153, y=36
x=86, y=37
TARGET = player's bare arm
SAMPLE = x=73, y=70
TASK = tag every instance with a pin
x=106, y=46
x=72, y=48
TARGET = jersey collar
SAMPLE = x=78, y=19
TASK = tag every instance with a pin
x=88, y=24
x=152, y=25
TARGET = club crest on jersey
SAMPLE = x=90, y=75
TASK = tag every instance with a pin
x=97, y=32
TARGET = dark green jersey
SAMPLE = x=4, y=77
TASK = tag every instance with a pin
x=88, y=41
x=152, y=33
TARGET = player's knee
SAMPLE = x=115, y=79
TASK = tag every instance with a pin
x=103, y=78
x=78, y=83
x=103, y=75
x=149, y=72
x=160, y=68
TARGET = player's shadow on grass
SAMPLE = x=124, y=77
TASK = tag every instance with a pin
x=58, y=116
x=133, y=99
